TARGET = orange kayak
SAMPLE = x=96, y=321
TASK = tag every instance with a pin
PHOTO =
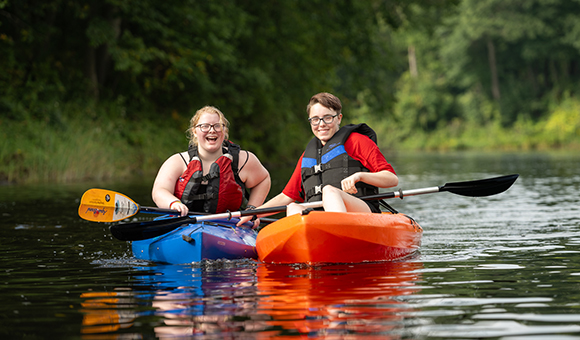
x=330, y=237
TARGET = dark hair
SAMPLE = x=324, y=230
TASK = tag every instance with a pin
x=325, y=99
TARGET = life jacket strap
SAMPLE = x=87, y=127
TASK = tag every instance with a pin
x=202, y=197
x=315, y=190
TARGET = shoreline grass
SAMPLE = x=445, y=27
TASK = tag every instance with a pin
x=88, y=142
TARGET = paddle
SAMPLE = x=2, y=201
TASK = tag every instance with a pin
x=476, y=188
x=144, y=230
x=101, y=205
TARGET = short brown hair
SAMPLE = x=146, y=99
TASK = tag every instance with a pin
x=325, y=99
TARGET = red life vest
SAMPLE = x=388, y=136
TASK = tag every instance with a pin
x=225, y=190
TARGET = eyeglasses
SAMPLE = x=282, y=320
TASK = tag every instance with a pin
x=315, y=121
x=217, y=127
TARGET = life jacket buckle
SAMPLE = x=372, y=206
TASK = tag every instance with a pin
x=317, y=168
x=317, y=189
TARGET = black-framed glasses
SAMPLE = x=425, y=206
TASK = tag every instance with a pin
x=315, y=121
x=217, y=127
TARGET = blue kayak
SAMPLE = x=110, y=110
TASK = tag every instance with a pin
x=194, y=242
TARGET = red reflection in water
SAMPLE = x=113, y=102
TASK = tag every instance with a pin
x=336, y=299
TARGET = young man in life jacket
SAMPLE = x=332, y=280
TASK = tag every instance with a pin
x=212, y=176
x=338, y=166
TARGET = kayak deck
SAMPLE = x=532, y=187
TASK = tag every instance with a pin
x=199, y=241
x=330, y=237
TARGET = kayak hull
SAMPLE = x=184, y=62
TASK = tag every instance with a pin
x=329, y=237
x=199, y=241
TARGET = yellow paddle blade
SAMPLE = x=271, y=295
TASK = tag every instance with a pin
x=100, y=205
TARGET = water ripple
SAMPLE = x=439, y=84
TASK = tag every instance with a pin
x=492, y=330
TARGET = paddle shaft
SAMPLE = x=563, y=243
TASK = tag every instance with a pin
x=477, y=188
x=401, y=194
x=155, y=210
x=226, y=215
x=148, y=229
x=236, y=214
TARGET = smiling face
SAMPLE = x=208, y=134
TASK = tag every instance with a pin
x=210, y=141
x=324, y=131
x=207, y=115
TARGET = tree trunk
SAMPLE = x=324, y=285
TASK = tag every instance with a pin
x=91, y=72
x=532, y=79
x=554, y=74
x=98, y=58
x=493, y=69
x=103, y=52
x=413, y=62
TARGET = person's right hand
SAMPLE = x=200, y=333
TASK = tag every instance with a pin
x=182, y=208
x=349, y=184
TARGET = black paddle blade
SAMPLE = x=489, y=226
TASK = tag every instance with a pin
x=481, y=187
x=148, y=229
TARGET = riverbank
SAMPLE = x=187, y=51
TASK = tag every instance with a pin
x=75, y=142
x=560, y=130
x=78, y=142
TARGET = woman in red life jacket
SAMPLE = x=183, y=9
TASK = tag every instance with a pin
x=338, y=164
x=213, y=175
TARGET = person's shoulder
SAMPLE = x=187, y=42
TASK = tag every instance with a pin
x=360, y=145
x=359, y=135
x=175, y=163
x=359, y=138
x=179, y=157
x=248, y=159
x=245, y=154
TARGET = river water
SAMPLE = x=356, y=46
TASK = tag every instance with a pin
x=500, y=267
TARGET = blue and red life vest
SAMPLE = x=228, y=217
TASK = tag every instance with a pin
x=329, y=164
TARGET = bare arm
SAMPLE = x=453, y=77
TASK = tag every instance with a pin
x=280, y=200
x=257, y=179
x=164, y=185
x=381, y=179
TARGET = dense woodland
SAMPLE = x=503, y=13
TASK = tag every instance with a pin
x=94, y=89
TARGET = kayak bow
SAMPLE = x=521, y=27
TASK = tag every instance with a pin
x=193, y=242
x=332, y=237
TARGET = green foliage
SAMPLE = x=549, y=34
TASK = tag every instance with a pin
x=489, y=74
x=530, y=44
x=563, y=125
x=422, y=102
x=87, y=142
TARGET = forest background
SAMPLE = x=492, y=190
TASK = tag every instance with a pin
x=101, y=89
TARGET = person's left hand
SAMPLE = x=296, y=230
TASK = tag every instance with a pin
x=245, y=219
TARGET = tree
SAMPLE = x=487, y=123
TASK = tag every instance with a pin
x=511, y=48
x=258, y=61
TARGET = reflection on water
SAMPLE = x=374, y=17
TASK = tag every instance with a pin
x=337, y=300
x=224, y=297
x=500, y=267
x=103, y=312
